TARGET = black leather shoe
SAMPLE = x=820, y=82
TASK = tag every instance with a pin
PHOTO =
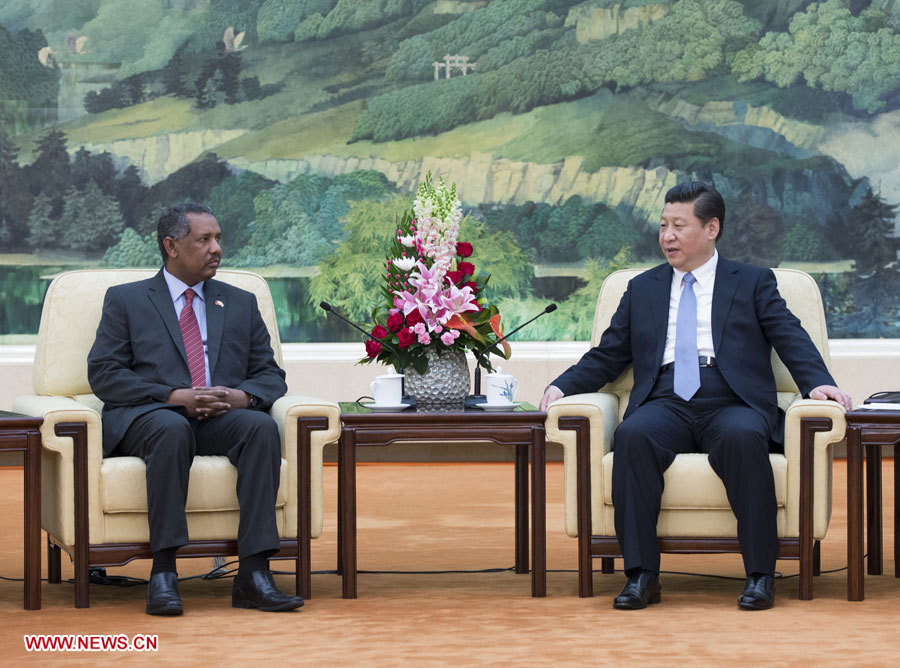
x=639, y=591
x=162, y=594
x=759, y=593
x=259, y=591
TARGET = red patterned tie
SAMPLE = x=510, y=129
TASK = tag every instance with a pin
x=193, y=342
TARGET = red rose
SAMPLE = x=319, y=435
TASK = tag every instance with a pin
x=379, y=332
x=413, y=318
x=373, y=348
x=472, y=284
x=395, y=322
x=406, y=338
x=466, y=268
x=464, y=249
x=454, y=277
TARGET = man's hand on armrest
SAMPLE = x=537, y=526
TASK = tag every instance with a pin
x=824, y=392
x=551, y=394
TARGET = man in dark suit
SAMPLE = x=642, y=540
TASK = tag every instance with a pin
x=699, y=333
x=184, y=366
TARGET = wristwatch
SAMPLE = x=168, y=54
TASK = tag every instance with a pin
x=252, y=402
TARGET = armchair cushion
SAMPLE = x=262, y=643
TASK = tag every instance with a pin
x=123, y=485
x=691, y=483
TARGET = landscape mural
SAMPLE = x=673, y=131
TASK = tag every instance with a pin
x=306, y=126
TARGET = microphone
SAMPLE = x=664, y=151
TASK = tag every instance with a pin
x=478, y=397
x=325, y=306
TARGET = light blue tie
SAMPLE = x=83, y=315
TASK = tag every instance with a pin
x=687, y=366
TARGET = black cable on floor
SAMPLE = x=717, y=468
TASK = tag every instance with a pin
x=98, y=575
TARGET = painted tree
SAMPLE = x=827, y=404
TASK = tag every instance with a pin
x=173, y=76
x=232, y=204
x=873, y=223
x=96, y=167
x=133, y=251
x=230, y=67
x=130, y=191
x=871, y=308
x=753, y=231
x=44, y=231
x=827, y=47
x=50, y=173
x=276, y=20
x=15, y=198
x=91, y=221
x=351, y=278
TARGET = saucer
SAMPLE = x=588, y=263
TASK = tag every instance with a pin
x=386, y=408
x=499, y=407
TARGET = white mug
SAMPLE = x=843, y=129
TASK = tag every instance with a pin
x=387, y=389
x=500, y=388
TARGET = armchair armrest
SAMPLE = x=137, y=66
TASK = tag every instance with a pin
x=812, y=408
x=59, y=466
x=285, y=411
x=821, y=464
x=602, y=411
x=56, y=410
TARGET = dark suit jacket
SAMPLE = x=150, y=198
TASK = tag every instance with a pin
x=138, y=356
x=749, y=318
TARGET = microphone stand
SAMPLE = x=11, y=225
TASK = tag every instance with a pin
x=478, y=398
x=398, y=365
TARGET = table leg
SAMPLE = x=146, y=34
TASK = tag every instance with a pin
x=538, y=512
x=896, y=509
x=33, y=521
x=522, y=509
x=855, y=577
x=347, y=513
x=874, y=524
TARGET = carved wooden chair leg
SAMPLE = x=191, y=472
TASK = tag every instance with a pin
x=607, y=565
x=54, y=569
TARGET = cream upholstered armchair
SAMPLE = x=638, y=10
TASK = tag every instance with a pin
x=695, y=514
x=96, y=509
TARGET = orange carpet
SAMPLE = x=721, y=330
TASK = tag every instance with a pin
x=459, y=516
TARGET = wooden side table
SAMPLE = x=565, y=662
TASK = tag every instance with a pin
x=870, y=429
x=20, y=433
x=522, y=428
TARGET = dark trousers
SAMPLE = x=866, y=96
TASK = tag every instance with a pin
x=714, y=421
x=167, y=441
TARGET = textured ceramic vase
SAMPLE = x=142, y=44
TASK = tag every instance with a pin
x=444, y=385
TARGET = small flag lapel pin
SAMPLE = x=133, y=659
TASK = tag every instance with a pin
x=220, y=303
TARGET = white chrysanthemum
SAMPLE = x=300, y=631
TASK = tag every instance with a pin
x=404, y=263
x=409, y=241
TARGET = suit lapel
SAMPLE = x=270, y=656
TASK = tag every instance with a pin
x=215, y=321
x=727, y=281
x=659, y=308
x=162, y=301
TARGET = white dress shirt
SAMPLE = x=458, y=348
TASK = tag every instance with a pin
x=177, y=288
x=703, y=290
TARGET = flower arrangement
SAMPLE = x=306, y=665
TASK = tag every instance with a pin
x=433, y=292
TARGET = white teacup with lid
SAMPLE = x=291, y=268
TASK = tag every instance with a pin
x=500, y=388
